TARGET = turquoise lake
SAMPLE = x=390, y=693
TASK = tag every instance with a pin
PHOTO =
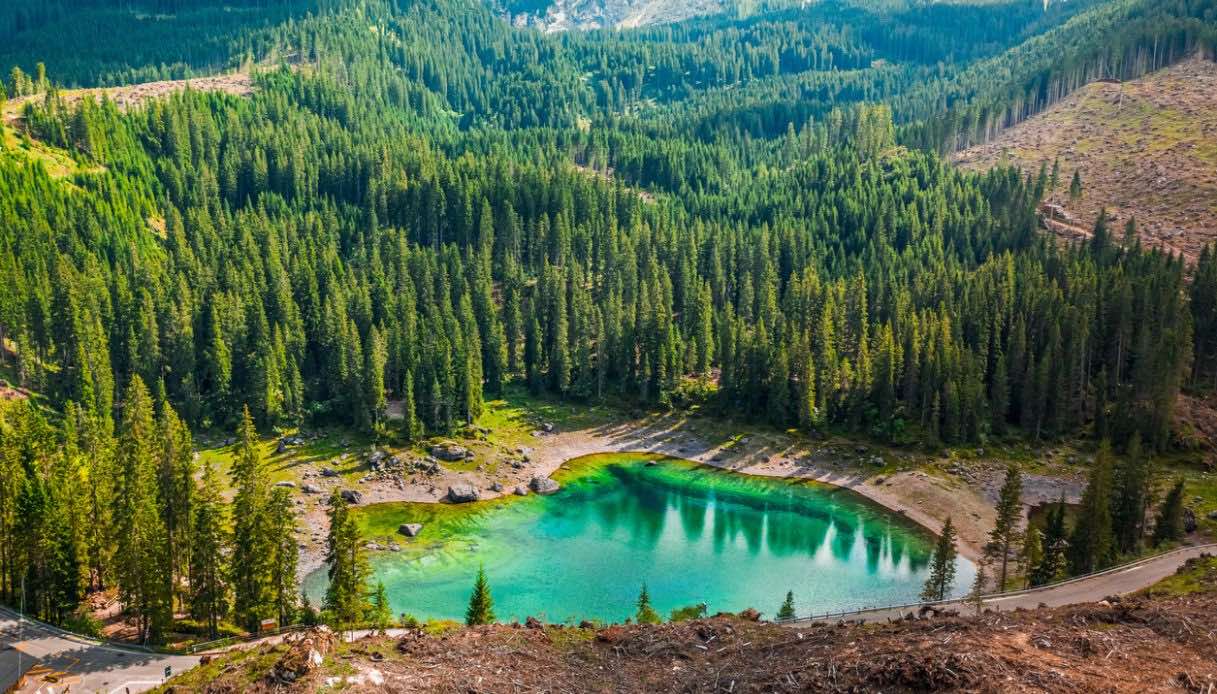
x=691, y=533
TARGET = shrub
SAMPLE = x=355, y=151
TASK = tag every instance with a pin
x=684, y=614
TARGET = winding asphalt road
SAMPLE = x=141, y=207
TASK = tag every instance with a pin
x=61, y=660
x=54, y=661
x=1121, y=580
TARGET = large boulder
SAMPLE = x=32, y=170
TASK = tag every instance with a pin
x=462, y=493
x=543, y=485
x=410, y=529
x=351, y=496
x=450, y=452
x=310, y=488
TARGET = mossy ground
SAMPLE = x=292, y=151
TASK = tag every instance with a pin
x=1197, y=576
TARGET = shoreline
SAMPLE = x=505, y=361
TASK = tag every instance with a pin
x=914, y=494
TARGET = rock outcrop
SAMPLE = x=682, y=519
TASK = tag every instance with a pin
x=450, y=452
x=462, y=493
x=543, y=485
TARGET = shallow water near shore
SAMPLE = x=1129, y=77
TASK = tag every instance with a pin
x=692, y=533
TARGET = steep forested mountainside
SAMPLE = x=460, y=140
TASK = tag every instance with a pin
x=384, y=218
x=416, y=202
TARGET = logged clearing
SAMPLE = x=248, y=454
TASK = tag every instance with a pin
x=129, y=96
x=1160, y=644
x=61, y=164
x=1145, y=149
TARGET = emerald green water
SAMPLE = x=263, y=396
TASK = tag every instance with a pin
x=692, y=533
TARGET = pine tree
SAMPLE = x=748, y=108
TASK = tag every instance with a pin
x=645, y=614
x=208, y=542
x=1090, y=546
x=942, y=566
x=532, y=355
x=559, y=345
x=1055, y=547
x=308, y=613
x=412, y=428
x=176, y=488
x=381, y=615
x=1169, y=523
x=999, y=394
x=281, y=530
x=1075, y=186
x=251, y=544
x=1031, y=554
x=145, y=572
x=481, y=604
x=1132, y=477
x=513, y=322
x=375, y=358
x=346, y=599
x=786, y=611
x=977, y=592
x=1130, y=232
x=1004, y=536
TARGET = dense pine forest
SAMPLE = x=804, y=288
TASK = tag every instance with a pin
x=420, y=204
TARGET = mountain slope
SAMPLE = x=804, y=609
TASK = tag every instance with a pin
x=1145, y=149
x=565, y=15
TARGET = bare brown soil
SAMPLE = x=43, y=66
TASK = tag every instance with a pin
x=8, y=392
x=1130, y=645
x=1145, y=149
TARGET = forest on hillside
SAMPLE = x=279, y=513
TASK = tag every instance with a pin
x=421, y=204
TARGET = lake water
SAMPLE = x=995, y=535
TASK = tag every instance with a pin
x=691, y=533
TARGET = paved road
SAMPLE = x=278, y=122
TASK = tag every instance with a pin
x=65, y=661
x=1120, y=581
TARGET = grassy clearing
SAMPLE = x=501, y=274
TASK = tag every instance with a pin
x=512, y=418
x=567, y=638
x=506, y=424
x=1197, y=576
x=58, y=163
x=1199, y=488
x=1200, y=491
x=380, y=521
x=339, y=449
x=248, y=664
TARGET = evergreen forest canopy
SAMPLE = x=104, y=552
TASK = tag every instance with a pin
x=422, y=204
